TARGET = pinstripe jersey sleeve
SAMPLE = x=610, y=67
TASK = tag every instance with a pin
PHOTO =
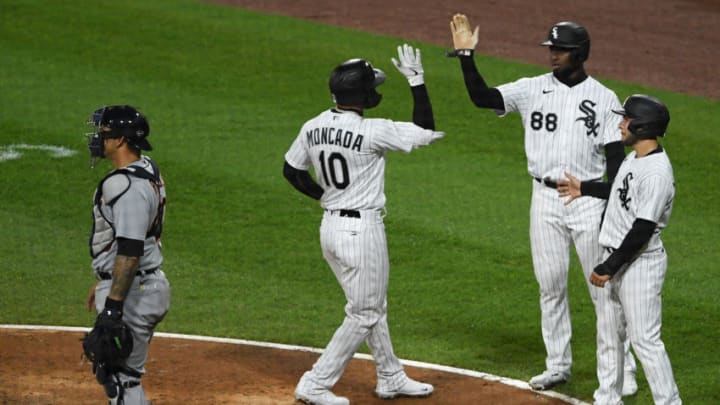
x=656, y=191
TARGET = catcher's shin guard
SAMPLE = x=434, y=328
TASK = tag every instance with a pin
x=114, y=390
x=110, y=381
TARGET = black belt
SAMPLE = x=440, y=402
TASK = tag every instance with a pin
x=546, y=182
x=130, y=384
x=346, y=213
x=102, y=275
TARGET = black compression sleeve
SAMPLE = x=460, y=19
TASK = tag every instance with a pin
x=422, y=110
x=480, y=94
x=636, y=239
x=614, y=155
x=302, y=181
x=595, y=189
x=130, y=247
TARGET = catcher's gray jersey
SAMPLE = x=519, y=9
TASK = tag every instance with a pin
x=565, y=127
x=644, y=188
x=127, y=207
x=347, y=153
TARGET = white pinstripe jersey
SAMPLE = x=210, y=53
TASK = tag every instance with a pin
x=565, y=127
x=643, y=188
x=347, y=153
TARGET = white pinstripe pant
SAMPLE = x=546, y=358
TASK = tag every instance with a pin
x=553, y=228
x=636, y=300
x=356, y=250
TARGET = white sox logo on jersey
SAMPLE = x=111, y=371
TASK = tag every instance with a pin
x=590, y=118
x=623, y=192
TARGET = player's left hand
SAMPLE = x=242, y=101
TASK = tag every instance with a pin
x=110, y=341
x=569, y=188
x=463, y=37
x=410, y=64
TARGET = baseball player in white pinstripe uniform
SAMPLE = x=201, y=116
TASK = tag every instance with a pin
x=569, y=126
x=634, y=263
x=347, y=152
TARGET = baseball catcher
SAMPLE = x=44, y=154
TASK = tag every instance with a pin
x=132, y=293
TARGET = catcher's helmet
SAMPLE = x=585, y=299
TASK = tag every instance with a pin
x=114, y=122
x=353, y=83
x=649, y=116
x=572, y=36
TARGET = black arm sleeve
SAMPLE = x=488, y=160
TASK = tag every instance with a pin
x=302, y=181
x=596, y=189
x=614, y=155
x=636, y=239
x=130, y=247
x=480, y=94
x=422, y=111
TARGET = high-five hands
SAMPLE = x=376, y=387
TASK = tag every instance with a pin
x=410, y=64
x=462, y=34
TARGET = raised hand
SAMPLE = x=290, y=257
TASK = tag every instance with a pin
x=409, y=64
x=463, y=36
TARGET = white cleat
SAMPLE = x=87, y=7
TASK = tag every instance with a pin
x=630, y=386
x=320, y=397
x=548, y=379
x=411, y=388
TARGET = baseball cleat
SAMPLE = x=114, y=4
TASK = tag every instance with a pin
x=320, y=397
x=548, y=379
x=630, y=386
x=411, y=388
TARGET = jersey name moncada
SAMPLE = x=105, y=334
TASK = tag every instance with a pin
x=334, y=136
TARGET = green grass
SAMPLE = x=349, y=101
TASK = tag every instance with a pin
x=226, y=91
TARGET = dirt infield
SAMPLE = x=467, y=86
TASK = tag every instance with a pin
x=230, y=374
x=667, y=44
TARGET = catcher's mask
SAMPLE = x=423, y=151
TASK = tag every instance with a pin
x=115, y=122
x=353, y=83
x=571, y=36
x=649, y=116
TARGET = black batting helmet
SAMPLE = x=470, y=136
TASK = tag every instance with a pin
x=571, y=36
x=353, y=83
x=650, y=117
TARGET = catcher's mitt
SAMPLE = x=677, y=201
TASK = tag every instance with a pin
x=110, y=342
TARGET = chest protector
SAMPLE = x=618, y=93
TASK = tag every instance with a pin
x=103, y=230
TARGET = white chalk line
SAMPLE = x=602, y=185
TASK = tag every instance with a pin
x=437, y=367
x=10, y=152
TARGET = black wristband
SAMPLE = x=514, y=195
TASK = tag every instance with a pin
x=459, y=52
x=114, y=304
